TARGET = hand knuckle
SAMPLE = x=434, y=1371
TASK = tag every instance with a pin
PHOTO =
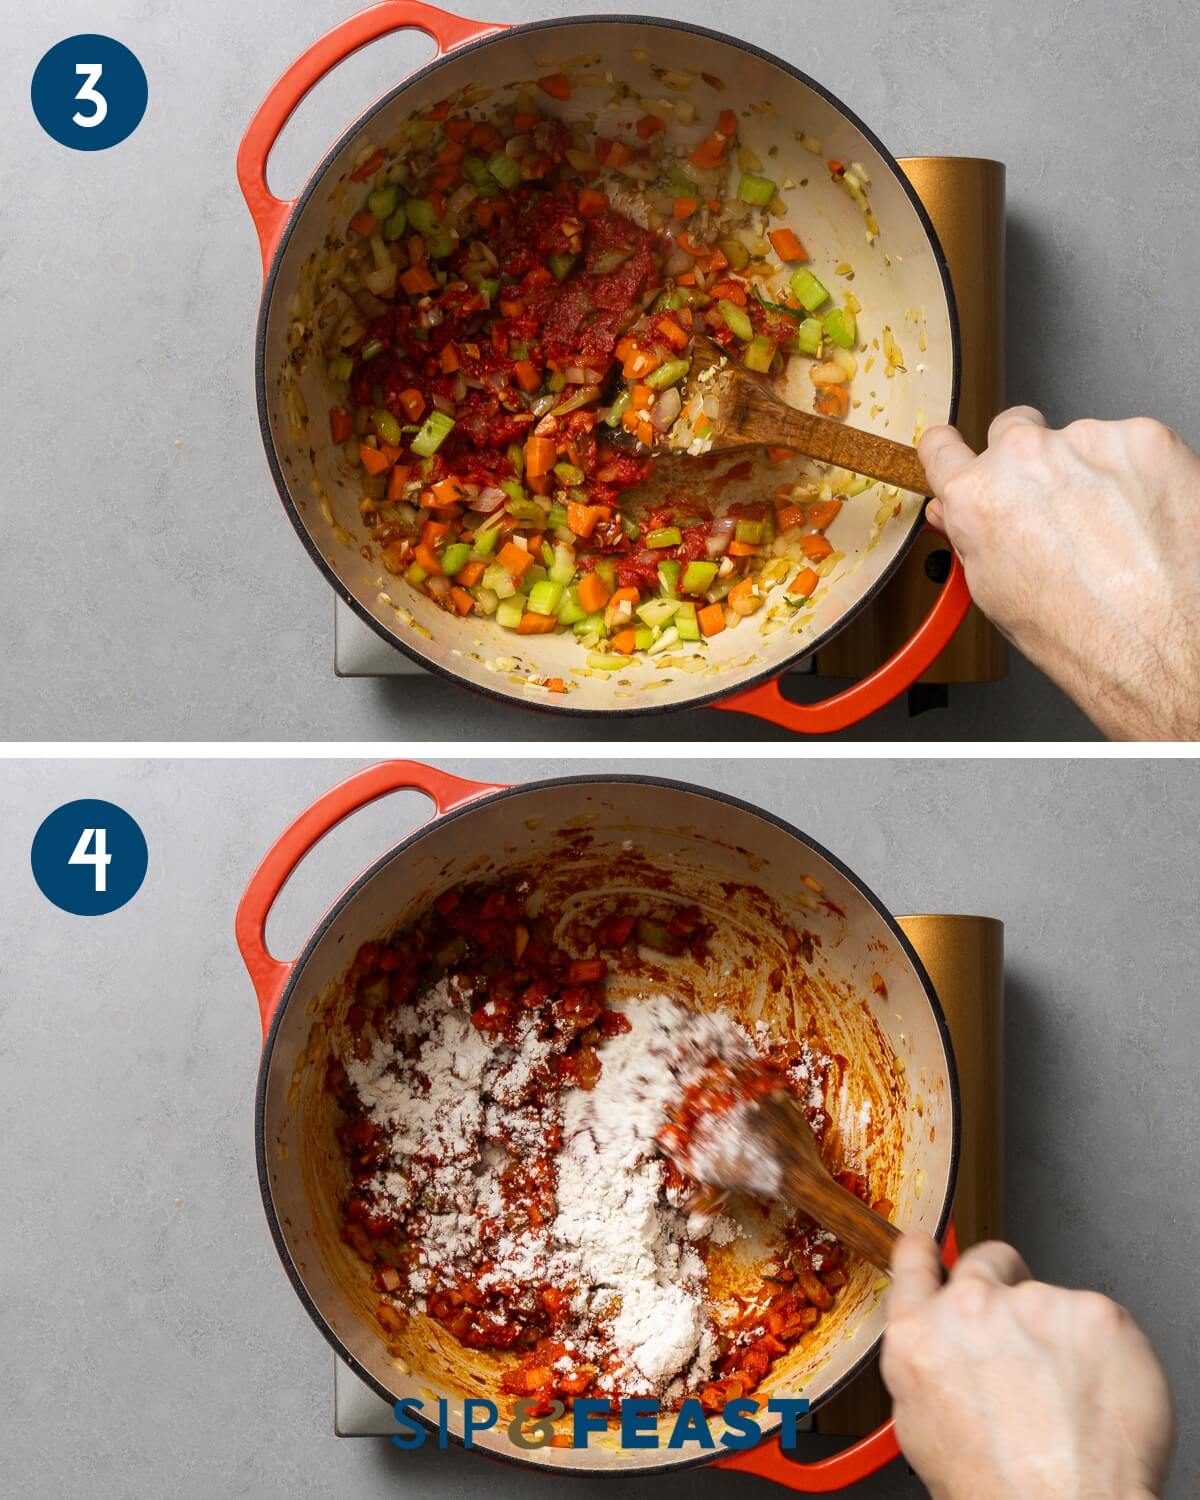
x=1098, y=1312
x=1148, y=436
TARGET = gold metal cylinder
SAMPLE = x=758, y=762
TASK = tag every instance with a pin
x=964, y=957
x=964, y=196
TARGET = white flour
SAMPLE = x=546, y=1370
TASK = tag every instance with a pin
x=463, y=1107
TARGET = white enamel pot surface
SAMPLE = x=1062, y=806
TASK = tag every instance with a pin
x=901, y=280
x=754, y=876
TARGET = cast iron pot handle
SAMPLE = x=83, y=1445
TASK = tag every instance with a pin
x=270, y=975
x=853, y=704
x=849, y=1466
x=269, y=213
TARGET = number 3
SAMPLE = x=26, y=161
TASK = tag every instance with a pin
x=87, y=93
x=99, y=857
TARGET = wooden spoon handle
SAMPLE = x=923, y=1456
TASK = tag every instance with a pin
x=764, y=419
x=835, y=1208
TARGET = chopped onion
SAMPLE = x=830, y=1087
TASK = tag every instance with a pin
x=460, y=388
x=720, y=535
x=444, y=403
x=543, y=404
x=677, y=262
x=517, y=146
x=381, y=283
x=490, y=498
x=438, y=585
x=666, y=409
x=577, y=375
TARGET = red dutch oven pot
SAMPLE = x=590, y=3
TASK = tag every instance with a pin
x=755, y=875
x=901, y=280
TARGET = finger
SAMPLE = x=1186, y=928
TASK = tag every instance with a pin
x=943, y=453
x=935, y=515
x=1015, y=416
x=916, y=1274
x=992, y=1261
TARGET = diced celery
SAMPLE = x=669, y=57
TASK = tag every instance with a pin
x=749, y=531
x=664, y=536
x=547, y=555
x=643, y=638
x=759, y=354
x=397, y=224
x=631, y=528
x=841, y=326
x=617, y=410
x=668, y=373
x=592, y=625
x=685, y=622
x=386, y=427
x=560, y=264
x=808, y=290
x=668, y=577
x=484, y=540
x=370, y=349
x=562, y=564
x=570, y=611
x=608, y=260
x=475, y=170
x=755, y=189
x=568, y=474
x=454, y=558
x=490, y=287
x=342, y=367
x=535, y=574
x=808, y=336
x=415, y=574
x=436, y=429
x=697, y=577
x=505, y=169
x=736, y=319
x=735, y=253
x=657, y=611
x=607, y=569
x=421, y=215
x=544, y=598
x=679, y=184
x=509, y=611
x=526, y=508
x=439, y=242
x=499, y=579
x=515, y=453
x=557, y=381
x=606, y=662
x=382, y=202
x=557, y=516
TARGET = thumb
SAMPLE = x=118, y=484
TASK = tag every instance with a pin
x=944, y=454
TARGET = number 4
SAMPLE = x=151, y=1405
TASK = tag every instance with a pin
x=87, y=93
x=99, y=857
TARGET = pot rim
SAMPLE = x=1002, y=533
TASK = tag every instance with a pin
x=701, y=700
x=369, y=874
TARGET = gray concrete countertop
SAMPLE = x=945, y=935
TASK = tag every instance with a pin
x=154, y=589
x=152, y=1342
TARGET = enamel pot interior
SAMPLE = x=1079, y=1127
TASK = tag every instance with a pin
x=899, y=280
x=896, y=1104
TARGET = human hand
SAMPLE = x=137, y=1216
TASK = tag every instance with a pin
x=1083, y=547
x=1007, y=1389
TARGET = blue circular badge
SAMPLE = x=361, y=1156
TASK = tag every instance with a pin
x=89, y=857
x=89, y=92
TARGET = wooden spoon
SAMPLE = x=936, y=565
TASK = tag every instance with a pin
x=750, y=415
x=766, y=1148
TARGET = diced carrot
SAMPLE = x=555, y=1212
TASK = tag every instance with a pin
x=533, y=540
x=717, y=260
x=514, y=558
x=556, y=685
x=439, y=111
x=363, y=223
x=416, y=280
x=448, y=491
x=641, y=395
x=730, y=291
x=709, y=153
x=625, y=641
x=390, y=452
x=448, y=359
x=742, y=591
x=451, y=152
x=593, y=592
x=686, y=278
x=528, y=376
x=742, y=549
x=581, y=519
x=727, y=124
x=671, y=331
x=461, y=600
x=485, y=137
x=646, y=434
x=372, y=460
x=591, y=203
x=711, y=619
x=832, y=401
x=433, y=533
x=786, y=245
x=458, y=128
x=610, y=153
x=539, y=484
x=425, y=558
x=804, y=583
x=620, y=606
x=630, y=420
x=532, y=624
x=640, y=363
x=684, y=208
x=540, y=453
x=397, y=479
x=650, y=125
x=816, y=547
x=341, y=424
x=777, y=455
x=413, y=403
x=789, y=516
x=368, y=168
x=556, y=85
x=470, y=573
x=822, y=512
x=511, y=307
x=837, y=168
x=525, y=120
